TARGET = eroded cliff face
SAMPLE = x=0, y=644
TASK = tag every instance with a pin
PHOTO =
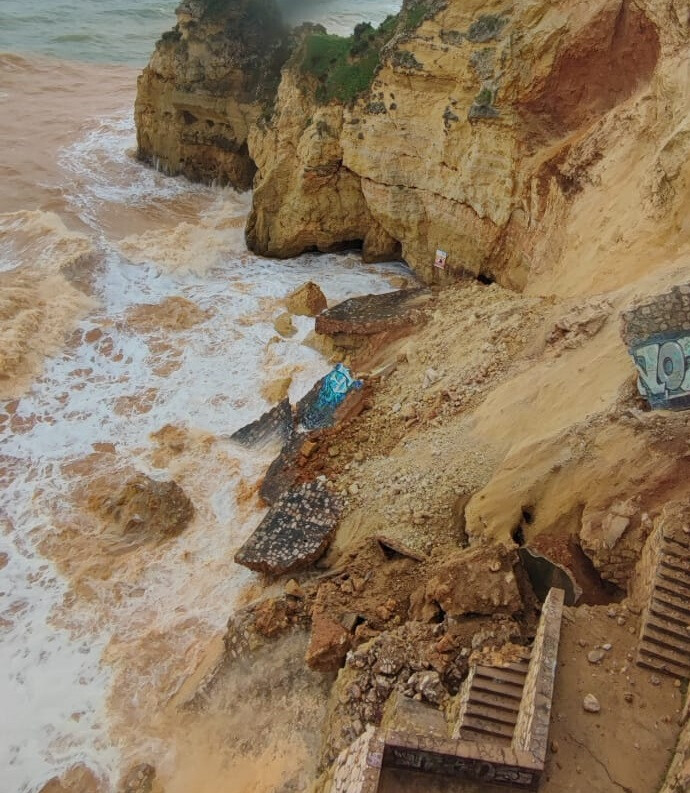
x=504, y=133
x=208, y=82
x=487, y=132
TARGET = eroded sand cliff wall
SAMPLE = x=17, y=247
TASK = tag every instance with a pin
x=501, y=133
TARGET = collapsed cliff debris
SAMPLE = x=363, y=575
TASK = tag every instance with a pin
x=476, y=580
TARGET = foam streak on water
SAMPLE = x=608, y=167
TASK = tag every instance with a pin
x=151, y=610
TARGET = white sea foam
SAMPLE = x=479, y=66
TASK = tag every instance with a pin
x=53, y=682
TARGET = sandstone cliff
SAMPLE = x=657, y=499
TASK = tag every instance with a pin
x=208, y=82
x=503, y=133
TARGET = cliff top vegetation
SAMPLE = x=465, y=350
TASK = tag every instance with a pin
x=345, y=66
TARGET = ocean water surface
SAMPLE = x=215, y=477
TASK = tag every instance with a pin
x=123, y=31
x=93, y=644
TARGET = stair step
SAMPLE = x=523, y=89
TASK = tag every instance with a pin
x=518, y=666
x=682, y=541
x=669, y=607
x=677, y=563
x=477, y=710
x=665, y=640
x=676, y=549
x=492, y=687
x=674, y=595
x=487, y=727
x=667, y=667
x=509, y=676
x=679, y=633
x=668, y=573
x=653, y=649
x=494, y=700
x=477, y=736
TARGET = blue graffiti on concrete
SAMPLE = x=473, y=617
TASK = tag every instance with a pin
x=335, y=386
x=663, y=369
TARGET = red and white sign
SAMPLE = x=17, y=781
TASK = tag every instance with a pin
x=440, y=260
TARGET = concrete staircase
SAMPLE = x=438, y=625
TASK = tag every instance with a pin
x=500, y=734
x=490, y=703
x=665, y=634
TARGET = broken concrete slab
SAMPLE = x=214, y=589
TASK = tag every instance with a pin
x=295, y=532
x=371, y=314
x=275, y=424
x=282, y=472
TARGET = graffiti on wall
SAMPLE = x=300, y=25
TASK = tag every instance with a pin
x=657, y=335
x=663, y=368
x=496, y=772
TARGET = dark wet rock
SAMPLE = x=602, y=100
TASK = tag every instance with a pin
x=296, y=531
x=275, y=424
x=371, y=314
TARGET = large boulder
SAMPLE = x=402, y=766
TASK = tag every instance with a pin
x=141, y=508
x=76, y=779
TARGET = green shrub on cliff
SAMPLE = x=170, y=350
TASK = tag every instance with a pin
x=344, y=67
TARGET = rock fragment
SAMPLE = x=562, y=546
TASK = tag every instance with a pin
x=591, y=704
x=284, y=326
x=307, y=301
x=142, y=507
